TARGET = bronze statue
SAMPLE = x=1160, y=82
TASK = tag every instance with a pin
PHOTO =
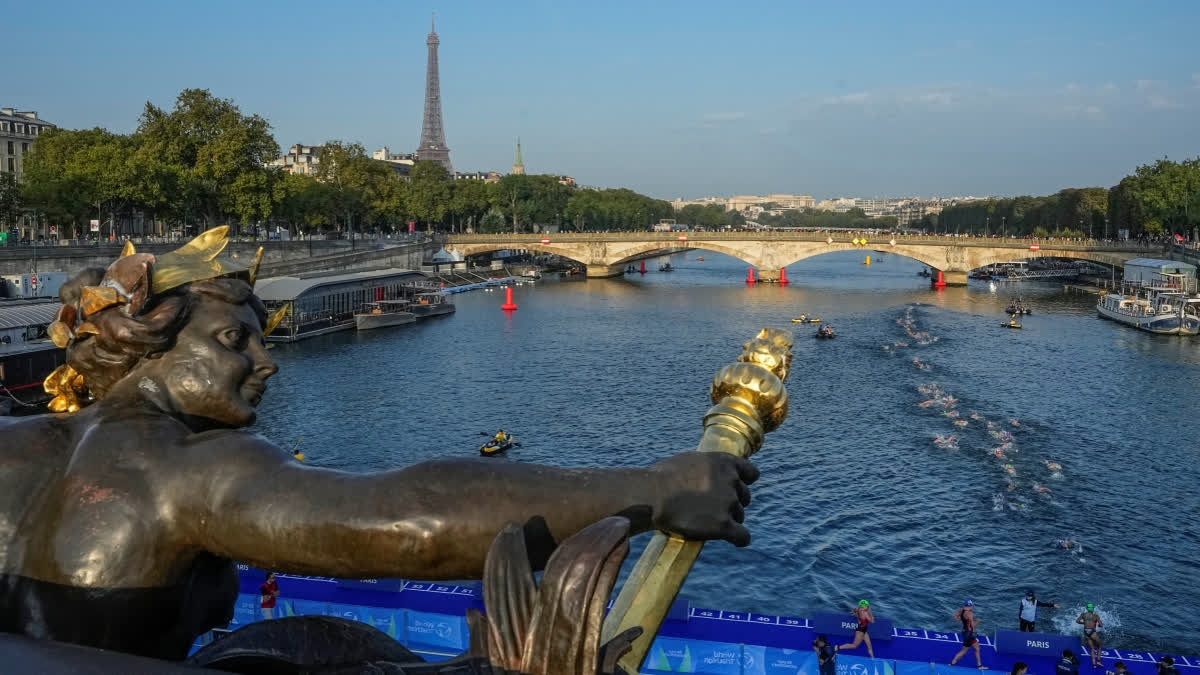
x=120, y=515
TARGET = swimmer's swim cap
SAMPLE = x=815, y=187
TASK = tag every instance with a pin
x=1090, y=607
x=863, y=603
x=968, y=603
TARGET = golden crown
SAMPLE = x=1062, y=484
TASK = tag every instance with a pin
x=132, y=280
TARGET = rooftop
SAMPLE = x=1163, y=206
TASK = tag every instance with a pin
x=20, y=313
x=291, y=287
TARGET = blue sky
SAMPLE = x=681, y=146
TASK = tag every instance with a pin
x=669, y=98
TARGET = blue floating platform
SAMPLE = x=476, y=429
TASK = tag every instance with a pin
x=430, y=619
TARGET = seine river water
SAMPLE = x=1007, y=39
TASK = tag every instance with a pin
x=856, y=499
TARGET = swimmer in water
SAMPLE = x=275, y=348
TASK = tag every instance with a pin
x=999, y=453
x=1014, y=423
x=976, y=416
x=1041, y=488
x=1053, y=466
x=960, y=423
x=1010, y=469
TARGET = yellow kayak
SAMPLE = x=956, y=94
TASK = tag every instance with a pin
x=806, y=320
x=492, y=448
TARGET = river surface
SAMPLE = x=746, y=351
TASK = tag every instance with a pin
x=856, y=499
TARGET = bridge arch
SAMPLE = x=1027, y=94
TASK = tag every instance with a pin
x=627, y=254
x=566, y=251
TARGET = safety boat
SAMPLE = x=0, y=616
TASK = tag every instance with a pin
x=1012, y=323
x=384, y=313
x=666, y=267
x=493, y=448
x=823, y=334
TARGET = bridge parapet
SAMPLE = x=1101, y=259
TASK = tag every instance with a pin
x=872, y=240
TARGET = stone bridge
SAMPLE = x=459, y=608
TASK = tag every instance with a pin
x=606, y=253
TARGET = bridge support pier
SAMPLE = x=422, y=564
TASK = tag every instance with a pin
x=768, y=276
x=944, y=278
x=603, y=271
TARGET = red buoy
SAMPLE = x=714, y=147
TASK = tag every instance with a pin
x=508, y=301
x=750, y=275
x=783, y=275
x=941, y=281
x=643, y=270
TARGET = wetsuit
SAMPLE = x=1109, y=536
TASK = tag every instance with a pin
x=1066, y=667
x=827, y=659
x=1028, y=613
x=968, y=622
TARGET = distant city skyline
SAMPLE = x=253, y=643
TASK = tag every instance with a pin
x=671, y=99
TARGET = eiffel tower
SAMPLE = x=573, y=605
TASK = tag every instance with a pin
x=433, y=138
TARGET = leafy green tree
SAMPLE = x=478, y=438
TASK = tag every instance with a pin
x=469, y=201
x=217, y=152
x=304, y=203
x=429, y=193
x=354, y=182
x=513, y=197
x=492, y=222
x=10, y=199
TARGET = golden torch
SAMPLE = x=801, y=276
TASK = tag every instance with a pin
x=749, y=400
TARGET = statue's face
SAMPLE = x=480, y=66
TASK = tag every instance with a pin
x=218, y=368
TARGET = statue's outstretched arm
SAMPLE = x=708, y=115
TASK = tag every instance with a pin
x=434, y=520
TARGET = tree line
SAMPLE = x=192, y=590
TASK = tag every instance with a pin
x=1157, y=199
x=204, y=163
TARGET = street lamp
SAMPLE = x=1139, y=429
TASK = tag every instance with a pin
x=1004, y=225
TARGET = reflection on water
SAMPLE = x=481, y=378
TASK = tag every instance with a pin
x=856, y=498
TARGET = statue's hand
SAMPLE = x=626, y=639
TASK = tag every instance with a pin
x=702, y=495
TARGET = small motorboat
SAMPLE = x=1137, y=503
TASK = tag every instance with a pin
x=493, y=448
x=924, y=273
x=700, y=259
x=666, y=267
x=1017, y=309
x=825, y=335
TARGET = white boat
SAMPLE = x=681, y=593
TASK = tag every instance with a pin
x=384, y=313
x=1154, y=311
x=431, y=304
x=532, y=274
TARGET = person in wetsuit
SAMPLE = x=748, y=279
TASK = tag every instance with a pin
x=826, y=655
x=1027, y=615
x=1091, y=633
x=966, y=614
x=1068, y=665
x=865, y=619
